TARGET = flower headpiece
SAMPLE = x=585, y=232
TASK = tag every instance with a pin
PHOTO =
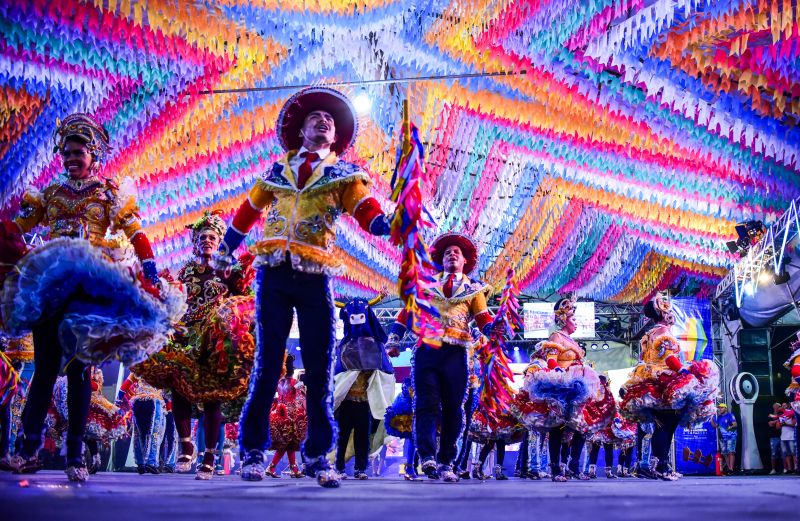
x=662, y=302
x=565, y=308
x=210, y=220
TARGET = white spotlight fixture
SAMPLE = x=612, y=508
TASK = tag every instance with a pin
x=594, y=347
x=605, y=346
x=362, y=102
x=516, y=348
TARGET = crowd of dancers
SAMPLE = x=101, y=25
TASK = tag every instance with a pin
x=210, y=341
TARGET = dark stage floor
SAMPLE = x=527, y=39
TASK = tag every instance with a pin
x=123, y=497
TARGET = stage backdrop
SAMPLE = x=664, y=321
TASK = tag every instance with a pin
x=695, y=449
x=693, y=328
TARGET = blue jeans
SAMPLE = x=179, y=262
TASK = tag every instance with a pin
x=168, y=444
x=280, y=290
x=728, y=445
x=775, y=447
x=149, y=424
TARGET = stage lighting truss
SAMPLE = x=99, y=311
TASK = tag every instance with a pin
x=767, y=256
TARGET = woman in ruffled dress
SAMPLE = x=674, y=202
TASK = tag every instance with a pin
x=664, y=391
x=210, y=361
x=556, y=392
x=288, y=422
x=105, y=423
x=84, y=304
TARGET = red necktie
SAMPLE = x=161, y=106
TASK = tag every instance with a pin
x=304, y=172
x=448, y=285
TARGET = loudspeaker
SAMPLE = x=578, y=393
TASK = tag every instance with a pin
x=755, y=357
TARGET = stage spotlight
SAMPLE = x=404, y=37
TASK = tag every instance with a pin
x=605, y=346
x=594, y=347
x=362, y=102
x=516, y=348
x=782, y=276
x=765, y=276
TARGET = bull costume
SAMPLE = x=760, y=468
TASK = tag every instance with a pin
x=441, y=374
x=83, y=302
x=304, y=193
x=364, y=381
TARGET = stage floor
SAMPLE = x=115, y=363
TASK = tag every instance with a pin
x=124, y=496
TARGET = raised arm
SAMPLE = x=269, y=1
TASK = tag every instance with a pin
x=364, y=208
x=246, y=216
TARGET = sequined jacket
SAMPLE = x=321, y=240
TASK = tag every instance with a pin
x=80, y=209
x=206, y=288
x=467, y=302
x=302, y=222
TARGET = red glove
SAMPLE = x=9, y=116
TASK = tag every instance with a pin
x=552, y=363
x=674, y=363
x=12, y=247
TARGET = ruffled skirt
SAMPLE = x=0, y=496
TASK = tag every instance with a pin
x=506, y=428
x=105, y=422
x=692, y=393
x=598, y=413
x=288, y=424
x=103, y=311
x=551, y=398
x=216, y=370
x=399, y=417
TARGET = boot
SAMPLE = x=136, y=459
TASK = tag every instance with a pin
x=477, y=472
x=610, y=473
x=593, y=471
x=498, y=473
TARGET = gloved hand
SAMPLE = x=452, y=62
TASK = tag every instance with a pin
x=222, y=261
x=380, y=225
x=122, y=401
x=393, y=345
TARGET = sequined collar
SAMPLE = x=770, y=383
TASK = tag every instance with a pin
x=79, y=185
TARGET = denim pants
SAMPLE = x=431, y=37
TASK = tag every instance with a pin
x=149, y=424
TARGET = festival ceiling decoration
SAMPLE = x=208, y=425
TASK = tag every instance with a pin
x=606, y=147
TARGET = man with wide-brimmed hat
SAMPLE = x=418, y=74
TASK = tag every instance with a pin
x=305, y=191
x=440, y=374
